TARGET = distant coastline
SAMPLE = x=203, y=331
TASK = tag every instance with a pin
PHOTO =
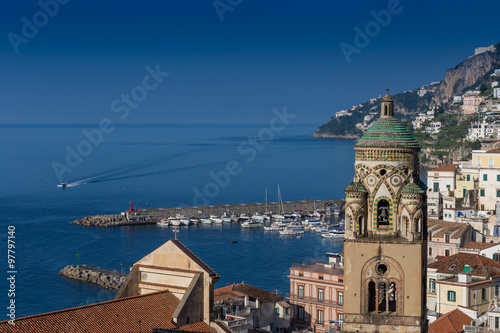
x=334, y=136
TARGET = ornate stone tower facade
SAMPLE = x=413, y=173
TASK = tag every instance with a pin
x=386, y=232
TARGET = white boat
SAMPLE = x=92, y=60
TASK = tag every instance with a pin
x=163, y=223
x=185, y=221
x=312, y=222
x=251, y=224
x=225, y=219
x=278, y=217
x=234, y=218
x=174, y=221
x=63, y=185
x=205, y=220
x=194, y=220
x=322, y=230
x=243, y=218
x=258, y=217
x=216, y=219
x=292, y=230
x=334, y=234
x=274, y=227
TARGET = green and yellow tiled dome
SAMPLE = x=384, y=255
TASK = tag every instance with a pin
x=387, y=132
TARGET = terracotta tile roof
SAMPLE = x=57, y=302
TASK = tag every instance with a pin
x=198, y=327
x=452, y=321
x=284, y=304
x=195, y=258
x=449, y=167
x=480, y=265
x=440, y=227
x=129, y=314
x=248, y=290
x=478, y=245
x=227, y=295
x=493, y=151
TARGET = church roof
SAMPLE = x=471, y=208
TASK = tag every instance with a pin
x=131, y=314
x=412, y=188
x=355, y=187
x=387, y=132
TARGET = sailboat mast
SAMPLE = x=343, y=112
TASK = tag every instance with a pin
x=266, y=201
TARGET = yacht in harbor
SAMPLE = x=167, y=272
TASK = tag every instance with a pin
x=216, y=219
x=163, y=223
x=333, y=234
x=251, y=224
x=206, y=220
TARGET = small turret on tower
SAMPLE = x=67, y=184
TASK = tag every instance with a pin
x=387, y=107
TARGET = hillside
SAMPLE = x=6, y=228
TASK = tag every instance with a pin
x=467, y=75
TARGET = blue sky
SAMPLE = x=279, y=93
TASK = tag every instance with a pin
x=262, y=55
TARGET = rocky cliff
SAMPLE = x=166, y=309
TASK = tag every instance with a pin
x=466, y=74
x=406, y=104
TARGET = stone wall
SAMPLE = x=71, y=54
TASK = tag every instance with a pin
x=104, y=278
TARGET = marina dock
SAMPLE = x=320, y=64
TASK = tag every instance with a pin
x=153, y=215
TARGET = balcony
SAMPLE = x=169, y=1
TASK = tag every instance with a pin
x=234, y=321
x=314, y=300
x=431, y=291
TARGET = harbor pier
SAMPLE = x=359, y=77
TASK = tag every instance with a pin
x=153, y=215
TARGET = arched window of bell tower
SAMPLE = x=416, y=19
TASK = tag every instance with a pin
x=372, y=297
x=383, y=213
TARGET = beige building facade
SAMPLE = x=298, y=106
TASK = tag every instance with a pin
x=386, y=232
x=175, y=268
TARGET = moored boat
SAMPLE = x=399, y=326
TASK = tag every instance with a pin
x=333, y=234
x=251, y=224
x=216, y=219
x=163, y=223
x=205, y=220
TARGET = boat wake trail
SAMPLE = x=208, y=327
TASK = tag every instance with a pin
x=125, y=172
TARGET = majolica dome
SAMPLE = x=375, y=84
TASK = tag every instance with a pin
x=387, y=131
x=411, y=190
x=355, y=187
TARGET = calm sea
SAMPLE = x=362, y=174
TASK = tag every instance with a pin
x=155, y=166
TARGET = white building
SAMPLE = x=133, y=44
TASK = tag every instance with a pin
x=496, y=92
x=433, y=128
x=489, y=250
x=443, y=178
x=422, y=118
x=453, y=214
x=457, y=99
x=480, y=130
x=494, y=84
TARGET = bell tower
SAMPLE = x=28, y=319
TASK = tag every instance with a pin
x=385, y=248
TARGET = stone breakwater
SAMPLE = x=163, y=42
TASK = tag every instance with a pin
x=102, y=277
x=153, y=215
x=102, y=220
